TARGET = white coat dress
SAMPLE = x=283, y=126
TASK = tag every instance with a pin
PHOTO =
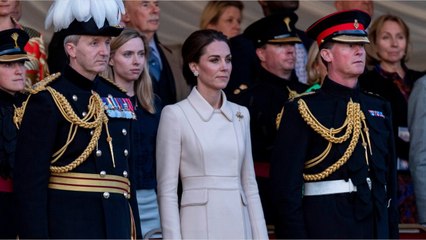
x=210, y=151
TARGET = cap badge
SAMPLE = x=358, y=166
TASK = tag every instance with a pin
x=356, y=24
x=287, y=23
x=15, y=37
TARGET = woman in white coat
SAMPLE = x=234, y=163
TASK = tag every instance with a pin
x=204, y=141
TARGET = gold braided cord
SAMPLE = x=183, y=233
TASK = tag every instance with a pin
x=353, y=123
x=95, y=113
x=346, y=155
x=319, y=158
x=68, y=113
x=60, y=152
x=278, y=118
x=80, y=159
x=18, y=114
x=328, y=133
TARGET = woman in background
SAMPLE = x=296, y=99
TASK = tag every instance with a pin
x=223, y=16
x=128, y=69
x=390, y=78
x=205, y=143
x=315, y=68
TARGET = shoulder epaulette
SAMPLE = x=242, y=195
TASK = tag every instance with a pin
x=40, y=86
x=293, y=94
x=32, y=33
x=115, y=84
x=374, y=95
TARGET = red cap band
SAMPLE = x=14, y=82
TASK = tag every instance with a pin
x=337, y=28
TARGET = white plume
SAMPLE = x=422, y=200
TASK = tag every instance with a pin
x=62, y=17
x=113, y=11
x=49, y=17
x=63, y=12
x=81, y=10
x=59, y=15
x=97, y=10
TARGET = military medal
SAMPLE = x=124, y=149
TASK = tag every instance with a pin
x=119, y=107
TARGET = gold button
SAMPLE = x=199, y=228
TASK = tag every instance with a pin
x=98, y=153
x=102, y=173
x=75, y=98
x=124, y=131
x=126, y=152
x=125, y=174
x=106, y=195
x=91, y=132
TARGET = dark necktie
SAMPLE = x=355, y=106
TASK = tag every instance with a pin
x=154, y=65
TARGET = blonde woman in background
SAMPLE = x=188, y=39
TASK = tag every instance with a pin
x=223, y=16
x=315, y=68
x=128, y=68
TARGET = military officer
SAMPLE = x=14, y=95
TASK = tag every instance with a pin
x=333, y=167
x=12, y=81
x=72, y=172
x=274, y=37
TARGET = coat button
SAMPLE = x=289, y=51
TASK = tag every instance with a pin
x=125, y=194
x=84, y=114
x=98, y=153
x=106, y=195
x=126, y=152
x=125, y=174
x=75, y=98
x=124, y=131
x=91, y=132
x=102, y=173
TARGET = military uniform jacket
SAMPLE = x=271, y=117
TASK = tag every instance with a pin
x=8, y=132
x=49, y=213
x=265, y=101
x=362, y=214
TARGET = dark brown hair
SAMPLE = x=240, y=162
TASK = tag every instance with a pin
x=194, y=47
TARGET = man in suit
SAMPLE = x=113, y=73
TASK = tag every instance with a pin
x=165, y=65
x=71, y=175
x=417, y=125
x=333, y=167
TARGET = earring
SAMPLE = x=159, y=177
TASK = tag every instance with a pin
x=196, y=73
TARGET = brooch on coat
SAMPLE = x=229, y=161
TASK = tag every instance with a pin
x=239, y=115
x=119, y=107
